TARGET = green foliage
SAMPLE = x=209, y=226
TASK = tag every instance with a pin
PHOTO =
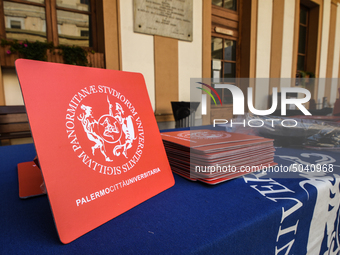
x=73, y=55
x=30, y=50
x=303, y=74
x=310, y=74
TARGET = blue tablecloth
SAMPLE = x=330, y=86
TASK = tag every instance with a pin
x=250, y=215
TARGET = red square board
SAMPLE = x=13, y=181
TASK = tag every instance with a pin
x=96, y=138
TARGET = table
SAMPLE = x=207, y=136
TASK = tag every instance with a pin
x=249, y=215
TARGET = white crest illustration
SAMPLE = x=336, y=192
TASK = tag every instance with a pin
x=198, y=134
x=116, y=129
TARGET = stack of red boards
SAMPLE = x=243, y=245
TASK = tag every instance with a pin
x=216, y=156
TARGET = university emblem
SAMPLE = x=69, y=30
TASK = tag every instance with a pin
x=107, y=129
x=199, y=134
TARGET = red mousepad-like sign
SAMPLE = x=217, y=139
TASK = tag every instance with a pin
x=96, y=139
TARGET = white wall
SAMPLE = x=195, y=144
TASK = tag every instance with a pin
x=335, y=72
x=264, y=34
x=190, y=55
x=324, y=48
x=12, y=89
x=287, y=40
x=137, y=49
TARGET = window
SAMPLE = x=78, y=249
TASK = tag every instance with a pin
x=72, y=24
x=225, y=57
x=16, y=24
x=73, y=17
x=307, y=37
x=303, y=30
x=224, y=39
x=223, y=54
x=228, y=4
x=24, y=21
x=84, y=33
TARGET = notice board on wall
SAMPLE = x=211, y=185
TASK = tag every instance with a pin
x=166, y=18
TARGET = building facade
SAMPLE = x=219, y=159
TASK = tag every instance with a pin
x=230, y=38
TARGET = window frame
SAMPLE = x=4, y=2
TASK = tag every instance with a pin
x=228, y=21
x=51, y=8
x=223, y=60
x=225, y=8
x=224, y=92
x=303, y=7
